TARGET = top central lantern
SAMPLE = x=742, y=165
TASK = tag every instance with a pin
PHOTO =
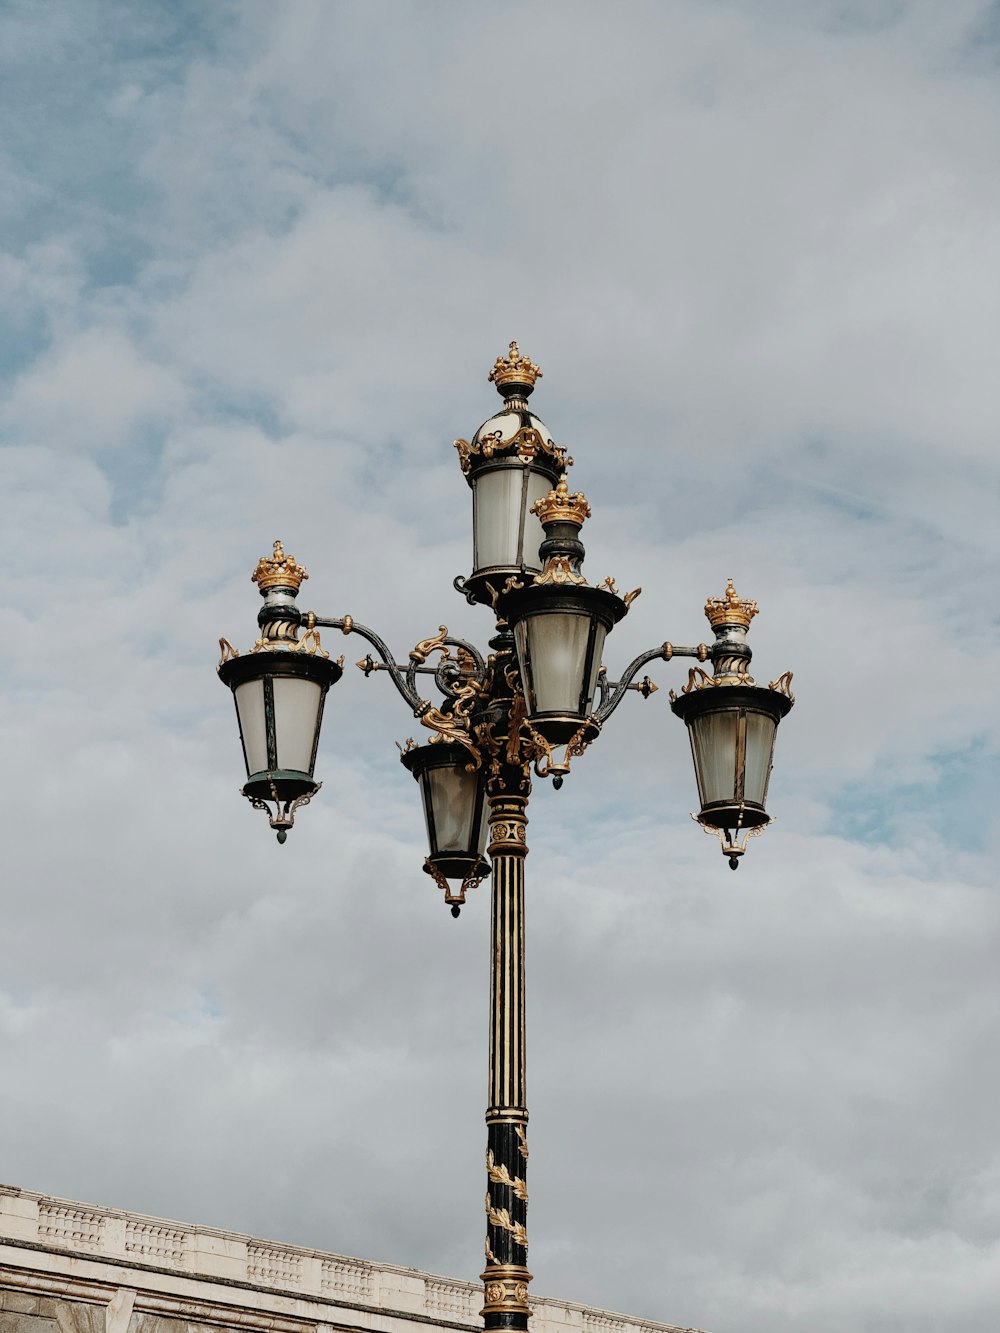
x=511, y=463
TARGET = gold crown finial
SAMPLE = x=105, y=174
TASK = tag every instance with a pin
x=561, y=507
x=514, y=369
x=730, y=608
x=278, y=570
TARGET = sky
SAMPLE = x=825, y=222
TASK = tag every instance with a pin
x=257, y=262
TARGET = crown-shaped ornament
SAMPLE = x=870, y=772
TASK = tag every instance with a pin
x=561, y=507
x=514, y=369
x=278, y=570
x=730, y=608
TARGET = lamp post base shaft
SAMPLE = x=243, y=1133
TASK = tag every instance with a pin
x=506, y=1276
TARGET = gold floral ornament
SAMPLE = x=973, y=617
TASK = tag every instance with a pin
x=514, y=368
x=278, y=570
x=730, y=608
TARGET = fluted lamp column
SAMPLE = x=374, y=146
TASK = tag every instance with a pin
x=506, y=1276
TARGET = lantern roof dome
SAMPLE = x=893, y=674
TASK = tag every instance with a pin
x=504, y=426
x=514, y=433
x=514, y=376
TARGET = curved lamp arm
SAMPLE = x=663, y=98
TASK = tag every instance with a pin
x=446, y=673
x=612, y=693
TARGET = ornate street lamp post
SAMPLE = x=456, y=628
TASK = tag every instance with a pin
x=532, y=704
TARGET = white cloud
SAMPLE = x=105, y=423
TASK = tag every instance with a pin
x=753, y=248
x=93, y=391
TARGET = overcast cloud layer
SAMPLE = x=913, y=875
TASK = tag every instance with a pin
x=257, y=261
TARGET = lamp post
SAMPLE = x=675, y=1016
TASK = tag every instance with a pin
x=532, y=704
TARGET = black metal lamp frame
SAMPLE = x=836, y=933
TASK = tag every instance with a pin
x=484, y=720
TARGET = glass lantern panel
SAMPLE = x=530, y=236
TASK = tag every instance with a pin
x=482, y=830
x=499, y=500
x=452, y=796
x=713, y=743
x=250, y=708
x=600, y=634
x=296, y=707
x=760, y=744
x=557, y=647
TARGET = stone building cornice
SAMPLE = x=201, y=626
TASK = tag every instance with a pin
x=90, y=1253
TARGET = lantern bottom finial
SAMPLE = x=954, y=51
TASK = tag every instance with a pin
x=287, y=791
x=728, y=838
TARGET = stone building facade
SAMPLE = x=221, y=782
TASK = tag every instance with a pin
x=76, y=1268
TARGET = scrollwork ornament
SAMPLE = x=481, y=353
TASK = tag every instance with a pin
x=699, y=679
x=436, y=644
x=454, y=725
x=558, y=570
x=544, y=750
x=526, y=445
x=227, y=650
x=783, y=685
x=310, y=643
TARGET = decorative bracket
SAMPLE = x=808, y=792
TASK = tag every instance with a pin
x=732, y=847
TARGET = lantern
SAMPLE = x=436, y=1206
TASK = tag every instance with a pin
x=510, y=464
x=559, y=625
x=731, y=724
x=279, y=690
x=279, y=705
x=453, y=795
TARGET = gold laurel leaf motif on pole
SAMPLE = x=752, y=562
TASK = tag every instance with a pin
x=522, y=1141
x=499, y=1174
x=500, y=1217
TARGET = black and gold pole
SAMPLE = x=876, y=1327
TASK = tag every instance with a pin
x=508, y=786
x=535, y=704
